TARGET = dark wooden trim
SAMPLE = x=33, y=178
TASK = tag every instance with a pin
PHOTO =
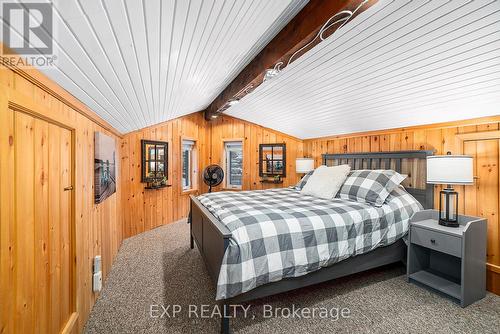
x=283, y=147
x=145, y=142
x=297, y=33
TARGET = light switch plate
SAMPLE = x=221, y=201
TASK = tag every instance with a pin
x=97, y=264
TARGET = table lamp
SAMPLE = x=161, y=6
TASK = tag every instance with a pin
x=304, y=165
x=450, y=170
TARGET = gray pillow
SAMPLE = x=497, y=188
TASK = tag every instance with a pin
x=370, y=186
x=303, y=181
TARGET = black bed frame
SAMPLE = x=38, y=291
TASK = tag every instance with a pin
x=212, y=237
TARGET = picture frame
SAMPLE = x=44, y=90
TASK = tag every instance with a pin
x=154, y=157
x=272, y=160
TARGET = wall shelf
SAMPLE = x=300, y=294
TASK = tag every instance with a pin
x=271, y=181
x=158, y=188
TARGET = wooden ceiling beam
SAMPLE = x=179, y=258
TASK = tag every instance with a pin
x=300, y=31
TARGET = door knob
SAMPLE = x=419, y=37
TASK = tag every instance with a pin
x=68, y=188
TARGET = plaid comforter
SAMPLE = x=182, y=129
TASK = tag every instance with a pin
x=282, y=233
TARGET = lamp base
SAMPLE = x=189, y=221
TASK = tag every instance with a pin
x=448, y=207
x=448, y=223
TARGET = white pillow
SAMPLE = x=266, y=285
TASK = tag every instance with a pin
x=325, y=182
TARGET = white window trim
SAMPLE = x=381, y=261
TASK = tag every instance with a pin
x=228, y=144
x=191, y=163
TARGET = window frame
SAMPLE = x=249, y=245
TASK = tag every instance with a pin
x=144, y=161
x=193, y=165
x=283, y=159
x=226, y=143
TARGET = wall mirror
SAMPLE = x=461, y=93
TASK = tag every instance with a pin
x=272, y=160
x=154, y=161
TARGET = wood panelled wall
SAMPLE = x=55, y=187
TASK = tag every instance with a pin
x=482, y=199
x=226, y=128
x=146, y=209
x=30, y=106
x=35, y=115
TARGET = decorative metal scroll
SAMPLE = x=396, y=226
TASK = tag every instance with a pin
x=246, y=90
x=340, y=19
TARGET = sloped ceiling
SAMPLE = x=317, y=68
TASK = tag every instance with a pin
x=398, y=64
x=141, y=62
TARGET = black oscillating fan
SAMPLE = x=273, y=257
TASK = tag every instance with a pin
x=213, y=176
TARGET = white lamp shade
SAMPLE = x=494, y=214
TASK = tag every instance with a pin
x=304, y=165
x=450, y=169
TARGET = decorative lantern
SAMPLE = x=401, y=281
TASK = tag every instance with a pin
x=450, y=170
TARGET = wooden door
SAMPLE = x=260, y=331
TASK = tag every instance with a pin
x=482, y=199
x=39, y=280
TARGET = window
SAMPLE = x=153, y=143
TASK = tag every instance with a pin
x=272, y=160
x=234, y=164
x=154, y=160
x=187, y=164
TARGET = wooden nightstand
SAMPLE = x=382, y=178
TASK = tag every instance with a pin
x=449, y=260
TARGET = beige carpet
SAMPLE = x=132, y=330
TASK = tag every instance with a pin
x=159, y=268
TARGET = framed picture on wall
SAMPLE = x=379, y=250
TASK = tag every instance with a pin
x=104, y=166
x=272, y=160
x=154, y=160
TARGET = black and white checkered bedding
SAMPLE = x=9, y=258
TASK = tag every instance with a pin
x=303, y=181
x=282, y=233
x=370, y=186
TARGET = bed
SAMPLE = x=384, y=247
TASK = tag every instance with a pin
x=222, y=228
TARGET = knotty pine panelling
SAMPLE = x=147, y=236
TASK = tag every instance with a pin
x=481, y=199
x=146, y=209
x=30, y=264
x=226, y=128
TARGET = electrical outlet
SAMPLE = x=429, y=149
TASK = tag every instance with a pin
x=97, y=282
x=97, y=274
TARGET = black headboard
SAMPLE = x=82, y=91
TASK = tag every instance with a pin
x=411, y=163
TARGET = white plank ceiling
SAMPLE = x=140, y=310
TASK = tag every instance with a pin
x=141, y=62
x=398, y=64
